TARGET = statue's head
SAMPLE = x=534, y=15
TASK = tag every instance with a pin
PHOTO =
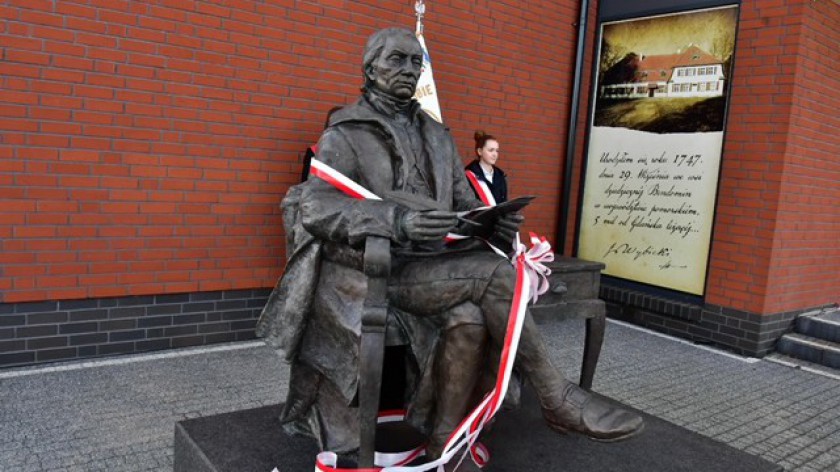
x=392, y=62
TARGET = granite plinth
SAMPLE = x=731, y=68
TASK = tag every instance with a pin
x=252, y=440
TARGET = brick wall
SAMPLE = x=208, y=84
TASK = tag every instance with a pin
x=806, y=250
x=144, y=146
x=753, y=156
x=774, y=236
x=32, y=332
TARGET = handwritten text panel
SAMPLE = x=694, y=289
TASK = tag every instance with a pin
x=649, y=205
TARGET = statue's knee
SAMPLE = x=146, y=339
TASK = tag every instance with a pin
x=466, y=315
x=503, y=280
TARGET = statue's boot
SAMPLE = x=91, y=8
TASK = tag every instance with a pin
x=582, y=412
x=565, y=406
x=457, y=368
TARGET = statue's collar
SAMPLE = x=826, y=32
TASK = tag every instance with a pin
x=391, y=107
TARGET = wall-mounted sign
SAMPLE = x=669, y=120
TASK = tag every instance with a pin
x=654, y=146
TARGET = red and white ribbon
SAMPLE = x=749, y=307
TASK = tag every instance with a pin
x=341, y=181
x=468, y=431
x=481, y=188
x=531, y=281
x=328, y=461
x=534, y=258
x=353, y=189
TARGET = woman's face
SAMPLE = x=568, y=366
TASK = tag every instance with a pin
x=489, y=154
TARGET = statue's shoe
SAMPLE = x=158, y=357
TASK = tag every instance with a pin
x=582, y=412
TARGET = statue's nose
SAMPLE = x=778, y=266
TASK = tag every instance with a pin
x=410, y=70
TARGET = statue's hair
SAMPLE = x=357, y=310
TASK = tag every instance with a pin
x=374, y=46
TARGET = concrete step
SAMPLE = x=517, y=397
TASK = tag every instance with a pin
x=795, y=363
x=823, y=325
x=810, y=349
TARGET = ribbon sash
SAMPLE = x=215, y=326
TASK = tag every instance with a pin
x=340, y=181
x=481, y=188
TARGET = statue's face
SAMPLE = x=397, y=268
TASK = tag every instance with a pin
x=397, y=69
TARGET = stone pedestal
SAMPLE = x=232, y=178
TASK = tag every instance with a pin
x=252, y=440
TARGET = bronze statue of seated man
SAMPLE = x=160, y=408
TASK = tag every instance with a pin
x=452, y=305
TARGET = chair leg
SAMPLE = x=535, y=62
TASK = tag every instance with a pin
x=592, y=348
x=371, y=356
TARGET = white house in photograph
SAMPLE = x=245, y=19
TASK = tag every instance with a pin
x=688, y=73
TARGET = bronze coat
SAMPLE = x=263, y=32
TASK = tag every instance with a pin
x=360, y=143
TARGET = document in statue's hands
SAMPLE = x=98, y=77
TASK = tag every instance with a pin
x=484, y=218
x=479, y=222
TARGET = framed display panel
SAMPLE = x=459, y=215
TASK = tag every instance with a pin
x=654, y=145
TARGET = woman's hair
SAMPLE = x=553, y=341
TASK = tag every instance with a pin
x=481, y=138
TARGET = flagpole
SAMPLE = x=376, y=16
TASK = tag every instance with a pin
x=426, y=93
x=420, y=11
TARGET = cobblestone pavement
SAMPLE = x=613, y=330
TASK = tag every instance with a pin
x=118, y=414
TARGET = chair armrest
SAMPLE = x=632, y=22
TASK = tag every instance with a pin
x=377, y=268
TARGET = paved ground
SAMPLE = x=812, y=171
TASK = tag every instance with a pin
x=118, y=414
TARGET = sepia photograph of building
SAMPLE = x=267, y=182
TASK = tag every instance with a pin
x=685, y=58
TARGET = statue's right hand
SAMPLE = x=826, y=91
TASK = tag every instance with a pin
x=428, y=225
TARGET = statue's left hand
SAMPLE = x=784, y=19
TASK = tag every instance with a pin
x=507, y=226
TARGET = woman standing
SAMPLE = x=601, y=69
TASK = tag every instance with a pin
x=488, y=181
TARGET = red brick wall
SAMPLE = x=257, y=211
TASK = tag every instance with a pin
x=775, y=243
x=145, y=146
x=753, y=156
x=805, y=268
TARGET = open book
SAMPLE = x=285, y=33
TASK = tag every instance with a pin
x=482, y=221
x=479, y=223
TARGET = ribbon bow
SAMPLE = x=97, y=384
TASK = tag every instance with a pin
x=533, y=259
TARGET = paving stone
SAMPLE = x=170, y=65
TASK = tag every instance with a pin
x=121, y=417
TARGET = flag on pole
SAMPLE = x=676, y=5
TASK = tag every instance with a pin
x=426, y=92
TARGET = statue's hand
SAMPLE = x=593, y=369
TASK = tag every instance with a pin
x=507, y=226
x=427, y=225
